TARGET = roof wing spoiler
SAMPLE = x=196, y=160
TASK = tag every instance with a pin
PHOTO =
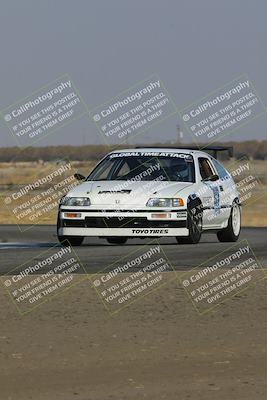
x=213, y=149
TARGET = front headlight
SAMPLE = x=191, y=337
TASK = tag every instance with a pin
x=157, y=202
x=75, y=201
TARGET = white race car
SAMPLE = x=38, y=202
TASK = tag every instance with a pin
x=152, y=192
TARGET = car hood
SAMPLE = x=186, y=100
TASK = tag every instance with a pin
x=108, y=193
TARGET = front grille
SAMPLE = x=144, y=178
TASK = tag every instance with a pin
x=73, y=223
x=122, y=222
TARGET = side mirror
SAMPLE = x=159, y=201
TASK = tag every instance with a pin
x=211, y=178
x=79, y=177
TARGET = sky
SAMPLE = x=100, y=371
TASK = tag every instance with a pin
x=107, y=46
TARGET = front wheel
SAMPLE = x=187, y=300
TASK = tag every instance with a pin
x=194, y=223
x=232, y=231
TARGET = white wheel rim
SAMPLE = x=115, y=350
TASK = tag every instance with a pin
x=236, y=220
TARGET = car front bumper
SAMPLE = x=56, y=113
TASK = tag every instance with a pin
x=128, y=223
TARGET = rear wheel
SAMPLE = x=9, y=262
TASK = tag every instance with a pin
x=232, y=231
x=194, y=223
x=117, y=240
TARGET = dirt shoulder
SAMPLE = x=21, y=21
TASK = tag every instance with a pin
x=157, y=348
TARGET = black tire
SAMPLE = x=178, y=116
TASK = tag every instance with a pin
x=117, y=240
x=70, y=240
x=194, y=223
x=231, y=232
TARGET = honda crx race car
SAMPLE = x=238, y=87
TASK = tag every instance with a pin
x=152, y=192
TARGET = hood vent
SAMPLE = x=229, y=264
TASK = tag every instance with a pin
x=114, y=191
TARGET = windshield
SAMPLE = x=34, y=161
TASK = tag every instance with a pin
x=176, y=167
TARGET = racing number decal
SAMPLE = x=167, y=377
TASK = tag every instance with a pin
x=216, y=195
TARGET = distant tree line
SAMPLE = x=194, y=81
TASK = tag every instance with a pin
x=254, y=149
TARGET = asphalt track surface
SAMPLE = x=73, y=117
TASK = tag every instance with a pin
x=157, y=348
x=96, y=254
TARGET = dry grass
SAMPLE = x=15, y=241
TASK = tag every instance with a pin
x=21, y=173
